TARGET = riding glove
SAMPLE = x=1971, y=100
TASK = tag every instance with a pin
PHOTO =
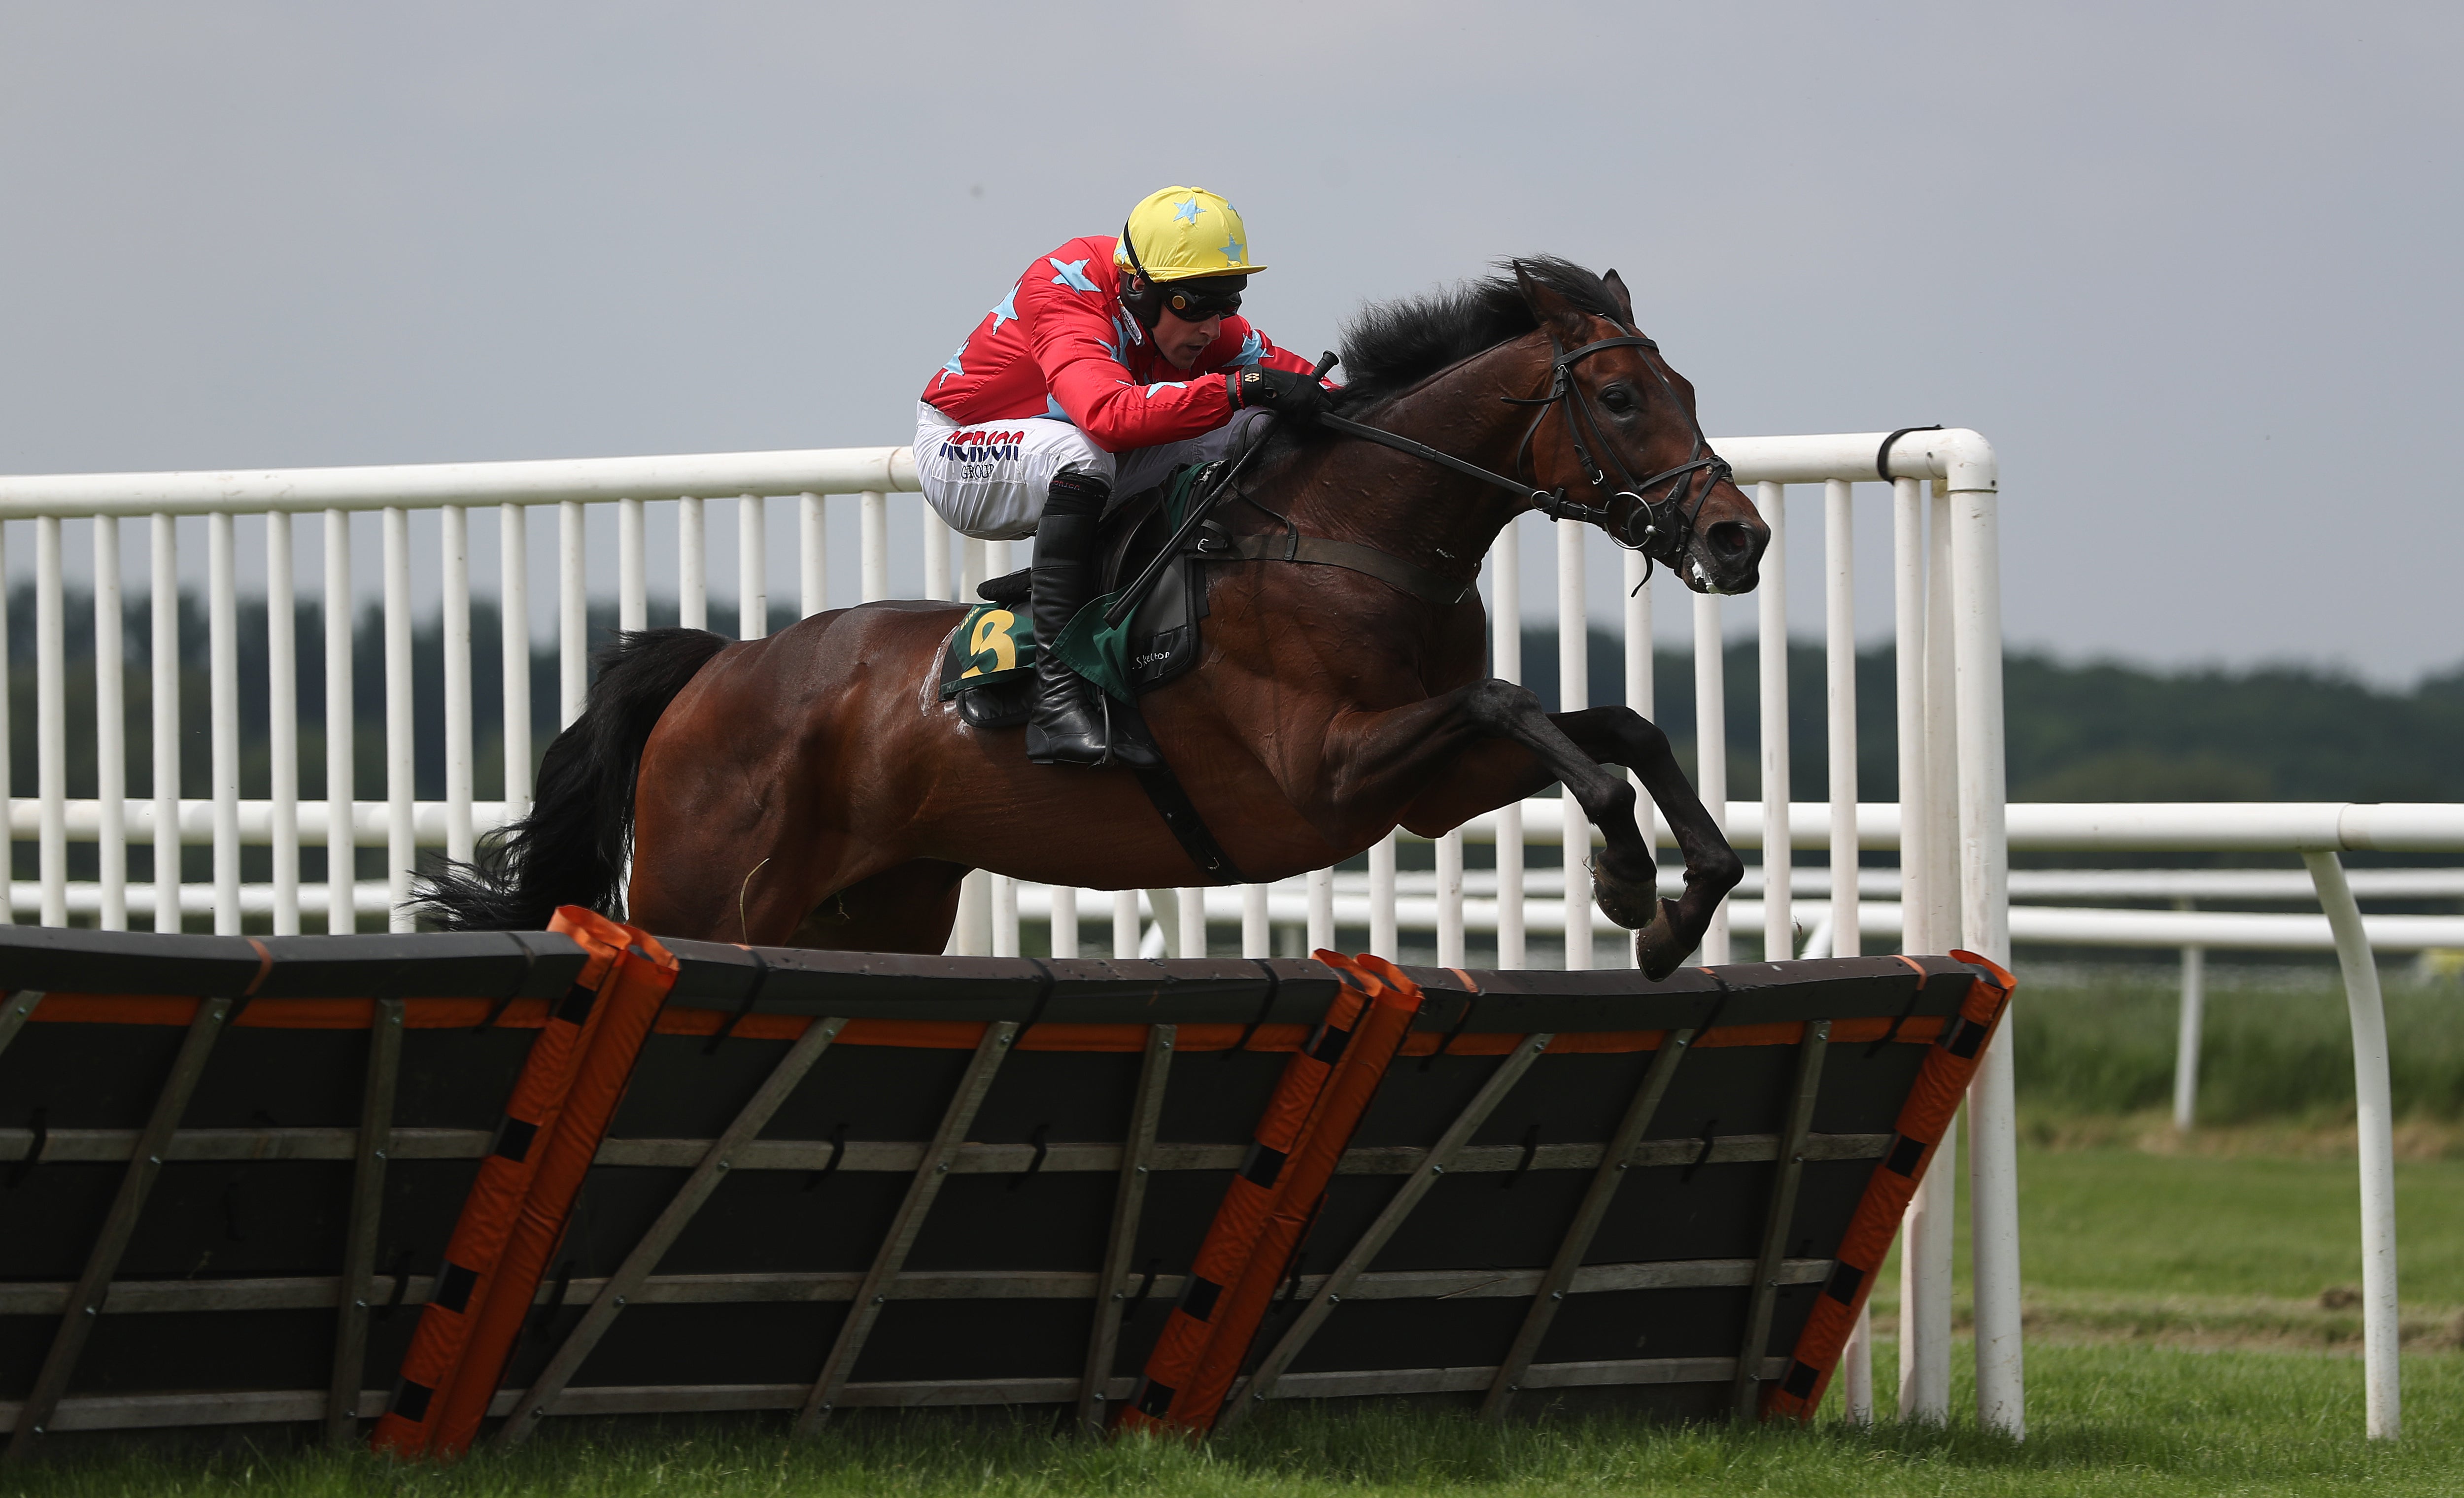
x=1291, y=394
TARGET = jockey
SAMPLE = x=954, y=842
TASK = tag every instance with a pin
x=1110, y=362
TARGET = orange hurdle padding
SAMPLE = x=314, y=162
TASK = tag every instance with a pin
x=1393, y=999
x=515, y=1212
x=1185, y=1391
x=1223, y=1255
x=1941, y=1082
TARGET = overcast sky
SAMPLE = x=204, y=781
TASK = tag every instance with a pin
x=2191, y=268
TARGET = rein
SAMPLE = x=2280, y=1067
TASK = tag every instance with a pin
x=1657, y=515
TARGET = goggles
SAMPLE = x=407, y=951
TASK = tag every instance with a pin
x=1194, y=306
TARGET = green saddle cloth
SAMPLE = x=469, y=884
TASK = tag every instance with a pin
x=996, y=642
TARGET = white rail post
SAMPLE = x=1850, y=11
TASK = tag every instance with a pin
x=1638, y=663
x=514, y=631
x=1925, y=1238
x=1004, y=900
x=1907, y=651
x=572, y=613
x=341, y=834
x=812, y=554
x=1257, y=935
x=1712, y=743
x=1840, y=671
x=110, y=728
x=282, y=718
x=1190, y=906
x=222, y=640
x=1573, y=694
x=693, y=563
x=1125, y=923
x=163, y=649
x=1985, y=927
x=752, y=566
x=632, y=567
x=937, y=555
x=1940, y=732
x=1505, y=661
x=2189, y=1032
x=1450, y=902
x=400, y=843
x=51, y=723
x=1384, y=940
x=1321, y=909
x=2374, y=1115
x=1063, y=940
x=873, y=545
x=1779, y=927
x=455, y=527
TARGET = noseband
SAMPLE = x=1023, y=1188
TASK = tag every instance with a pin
x=1668, y=520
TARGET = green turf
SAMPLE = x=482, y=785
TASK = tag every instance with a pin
x=2276, y=1042
x=2104, y=1421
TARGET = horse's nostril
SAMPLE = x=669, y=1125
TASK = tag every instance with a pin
x=1732, y=538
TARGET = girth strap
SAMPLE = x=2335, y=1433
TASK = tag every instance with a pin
x=1327, y=552
x=1171, y=800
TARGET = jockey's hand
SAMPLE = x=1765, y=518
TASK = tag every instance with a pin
x=1296, y=397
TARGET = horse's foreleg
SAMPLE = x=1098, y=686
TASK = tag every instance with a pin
x=1525, y=748
x=1491, y=775
x=1622, y=736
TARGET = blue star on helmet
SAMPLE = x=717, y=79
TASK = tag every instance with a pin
x=1253, y=349
x=1166, y=385
x=1007, y=309
x=1073, y=273
x=1187, y=213
x=1232, y=249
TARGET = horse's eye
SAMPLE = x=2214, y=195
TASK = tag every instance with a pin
x=1617, y=398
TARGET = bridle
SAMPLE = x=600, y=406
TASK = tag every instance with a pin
x=1668, y=520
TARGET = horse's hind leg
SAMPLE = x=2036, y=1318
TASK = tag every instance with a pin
x=908, y=907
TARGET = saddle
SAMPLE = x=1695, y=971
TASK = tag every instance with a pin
x=989, y=665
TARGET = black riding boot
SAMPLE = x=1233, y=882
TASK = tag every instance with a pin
x=1067, y=726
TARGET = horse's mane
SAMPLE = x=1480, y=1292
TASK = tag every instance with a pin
x=1389, y=346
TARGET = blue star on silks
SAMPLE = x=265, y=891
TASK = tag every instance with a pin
x=1073, y=273
x=1052, y=408
x=1232, y=249
x=1253, y=349
x=1007, y=311
x=1114, y=349
x=1187, y=213
x=952, y=366
x=1166, y=385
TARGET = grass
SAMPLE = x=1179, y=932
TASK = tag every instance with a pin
x=2105, y=1420
x=2276, y=1047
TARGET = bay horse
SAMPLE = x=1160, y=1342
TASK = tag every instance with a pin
x=811, y=788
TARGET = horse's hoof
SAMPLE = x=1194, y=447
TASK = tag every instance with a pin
x=1627, y=903
x=1657, y=949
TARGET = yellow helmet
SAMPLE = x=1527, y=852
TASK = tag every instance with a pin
x=1180, y=232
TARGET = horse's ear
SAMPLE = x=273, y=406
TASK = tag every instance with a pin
x=1624, y=299
x=1560, y=316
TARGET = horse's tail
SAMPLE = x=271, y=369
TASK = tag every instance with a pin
x=571, y=848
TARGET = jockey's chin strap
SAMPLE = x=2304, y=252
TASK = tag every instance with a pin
x=1668, y=521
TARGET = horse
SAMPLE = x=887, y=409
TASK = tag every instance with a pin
x=810, y=788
